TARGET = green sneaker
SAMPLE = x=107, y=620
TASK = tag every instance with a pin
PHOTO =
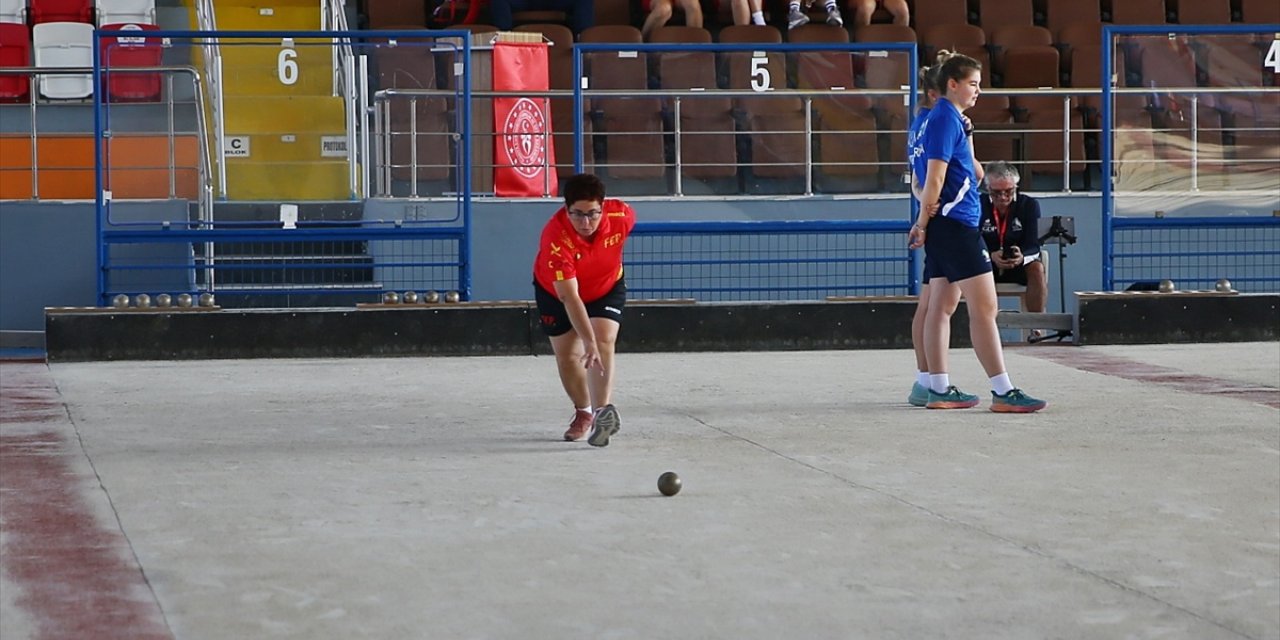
x=919, y=395
x=952, y=399
x=1015, y=402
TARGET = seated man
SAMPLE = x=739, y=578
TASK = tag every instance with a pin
x=1010, y=226
x=581, y=12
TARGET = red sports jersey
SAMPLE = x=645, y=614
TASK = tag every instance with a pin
x=595, y=262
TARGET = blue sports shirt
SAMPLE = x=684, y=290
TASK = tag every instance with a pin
x=942, y=136
x=915, y=147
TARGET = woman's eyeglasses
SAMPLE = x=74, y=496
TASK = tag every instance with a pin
x=585, y=215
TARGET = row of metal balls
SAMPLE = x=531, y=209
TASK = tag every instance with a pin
x=144, y=301
x=412, y=297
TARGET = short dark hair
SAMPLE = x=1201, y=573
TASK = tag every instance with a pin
x=583, y=186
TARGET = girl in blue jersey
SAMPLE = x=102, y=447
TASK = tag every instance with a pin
x=929, y=84
x=956, y=260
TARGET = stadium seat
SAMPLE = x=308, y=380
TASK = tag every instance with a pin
x=13, y=11
x=1202, y=11
x=126, y=12
x=1010, y=36
x=776, y=125
x=64, y=44
x=1138, y=12
x=15, y=51
x=844, y=125
x=384, y=14
x=422, y=122
x=1260, y=11
x=43, y=11
x=927, y=14
x=1060, y=13
x=131, y=51
x=1074, y=36
x=613, y=12
x=994, y=14
x=707, y=143
x=630, y=127
x=560, y=70
x=964, y=38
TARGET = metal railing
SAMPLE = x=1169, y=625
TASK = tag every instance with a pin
x=204, y=179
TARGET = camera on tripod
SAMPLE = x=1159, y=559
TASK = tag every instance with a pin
x=1059, y=231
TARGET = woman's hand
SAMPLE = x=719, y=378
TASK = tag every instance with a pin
x=915, y=239
x=591, y=359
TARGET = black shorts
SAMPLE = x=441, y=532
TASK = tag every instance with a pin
x=555, y=318
x=1012, y=276
x=954, y=251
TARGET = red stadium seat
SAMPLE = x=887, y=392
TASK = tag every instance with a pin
x=61, y=11
x=131, y=51
x=15, y=51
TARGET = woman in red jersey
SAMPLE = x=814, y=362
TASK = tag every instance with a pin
x=579, y=287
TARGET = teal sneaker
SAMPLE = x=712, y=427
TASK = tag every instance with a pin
x=1016, y=401
x=919, y=395
x=952, y=399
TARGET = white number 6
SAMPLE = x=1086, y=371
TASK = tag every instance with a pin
x=760, y=74
x=1273, y=56
x=287, y=67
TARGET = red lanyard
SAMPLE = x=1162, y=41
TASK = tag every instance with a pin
x=1000, y=226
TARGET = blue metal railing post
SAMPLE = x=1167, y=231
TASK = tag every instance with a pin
x=99, y=203
x=464, y=248
x=1108, y=265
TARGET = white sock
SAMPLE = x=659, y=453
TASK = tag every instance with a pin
x=939, y=382
x=586, y=409
x=793, y=6
x=922, y=378
x=1000, y=384
x=757, y=17
x=831, y=5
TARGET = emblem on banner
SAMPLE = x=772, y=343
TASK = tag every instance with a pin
x=523, y=136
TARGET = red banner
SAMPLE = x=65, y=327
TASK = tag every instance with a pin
x=523, y=152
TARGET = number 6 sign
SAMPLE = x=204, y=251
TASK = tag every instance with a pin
x=287, y=66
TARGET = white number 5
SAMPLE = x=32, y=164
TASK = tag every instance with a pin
x=760, y=74
x=1273, y=57
x=287, y=66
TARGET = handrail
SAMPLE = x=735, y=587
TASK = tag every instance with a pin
x=333, y=17
x=207, y=21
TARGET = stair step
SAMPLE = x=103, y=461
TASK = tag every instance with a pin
x=267, y=17
x=284, y=114
x=1026, y=320
x=259, y=67
x=316, y=180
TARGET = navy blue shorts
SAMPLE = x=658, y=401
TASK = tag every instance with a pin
x=954, y=251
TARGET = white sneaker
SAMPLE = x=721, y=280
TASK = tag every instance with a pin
x=796, y=18
x=833, y=17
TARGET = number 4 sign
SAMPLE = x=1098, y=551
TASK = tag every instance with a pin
x=1273, y=57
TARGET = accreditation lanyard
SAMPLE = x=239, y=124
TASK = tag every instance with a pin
x=1001, y=225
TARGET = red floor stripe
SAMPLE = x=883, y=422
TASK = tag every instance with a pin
x=75, y=574
x=1095, y=362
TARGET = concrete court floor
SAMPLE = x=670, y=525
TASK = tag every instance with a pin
x=431, y=498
